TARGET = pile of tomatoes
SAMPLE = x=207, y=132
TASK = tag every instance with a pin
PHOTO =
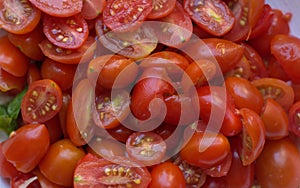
x=149, y=93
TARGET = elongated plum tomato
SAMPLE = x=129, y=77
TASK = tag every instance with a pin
x=208, y=149
x=20, y=150
x=18, y=17
x=58, y=8
x=95, y=172
x=42, y=101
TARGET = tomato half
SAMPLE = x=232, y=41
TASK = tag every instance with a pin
x=221, y=169
x=25, y=180
x=7, y=170
x=10, y=83
x=213, y=16
x=92, y=8
x=42, y=101
x=294, y=120
x=70, y=32
x=58, y=8
x=18, y=17
x=120, y=18
x=33, y=73
x=161, y=9
x=20, y=150
x=94, y=172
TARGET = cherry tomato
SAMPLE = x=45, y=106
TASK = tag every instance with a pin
x=275, y=120
x=11, y=59
x=221, y=169
x=275, y=70
x=161, y=9
x=112, y=71
x=29, y=43
x=70, y=32
x=68, y=56
x=120, y=133
x=213, y=16
x=118, y=17
x=121, y=171
x=167, y=175
x=58, y=8
x=62, y=74
x=59, y=163
x=33, y=74
x=278, y=165
x=213, y=182
x=44, y=182
x=294, y=120
x=10, y=83
x=244, y=94
x=276, y=89
x=242, y=69
x=7, y=170
x=20, y=150
x=111, y=110
x=42, y=101
x=286, y=50
x=92, y=8
x=18, y=17
x=54, y=129
x=208, y=149
x=25, y=180
x=149, y=148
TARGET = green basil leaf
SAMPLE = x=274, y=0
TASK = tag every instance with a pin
x=13, y=108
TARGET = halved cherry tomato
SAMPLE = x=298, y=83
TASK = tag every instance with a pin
x=276, y=89
x=54, y=129
x=167, y=175
x=59, y=163
x=68, y=56
x=275, y=70
x=294, y=118
x=120, y=133
x=62, y=74
x=206, y=149
x=25, y=180
x=275, y=120
x=213, y=16
x=92, y=8
x=20, y=150
x=121, y=171
x=120, y=18
x=18, y=17
x=161, y=9
x=42, y=101
x=58, y=8
x=69, y=33
x=7, y=169
x=33, y=74
x=146, y=147
x=286, y=50
x=111, y=109
x=10, y=83
x=242, y=69
x=44, y=182
x=220, y=170
x=11, y=59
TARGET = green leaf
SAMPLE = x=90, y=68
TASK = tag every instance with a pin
x=13, y=108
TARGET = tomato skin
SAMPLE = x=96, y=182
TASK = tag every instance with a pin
x=58, y=9
x=275, y=120
x=92, y=9
x=7, y=170
x=11, y=59
x=18, y=17
x=278, y=165
x=213, y=16
x=59, y=163
x=27, y=157
x=167, y=175
x=54, y=129
x=214, y=154
x=33, y=74
x=294, y=118
x=286, y=50
x=42, y=101
x=44, y=182
x=244, y=94
x=62, y=74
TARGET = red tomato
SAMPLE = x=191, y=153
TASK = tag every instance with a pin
x=208, y=149
x=118, y=17
x=42, y=101
x=161, y=9
x=7, y=170
x=58, y=8
x=18, y=17
x=253, y=136
x=294, y=118
x=286, y=50
x=44, y=182
x=92, y=8
x=278, y=165
x=28, y=180
x=120, y=133
x=148, y=148
x=62, y=74
x=276, y=89
x=242, y=69
x=11, y=59
x=221, y=169
x=20, y=150
x=59, y=163
x=94, y=172
x=10, y=83
x=29, y=43
x=111, y=109
x=54, y=129
x=275, y=70
x=177, y=30
x=213, y=16
x=68, y=56
x=70, y=32
x=275, y=120
x=167, y=175
x=33, y=74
